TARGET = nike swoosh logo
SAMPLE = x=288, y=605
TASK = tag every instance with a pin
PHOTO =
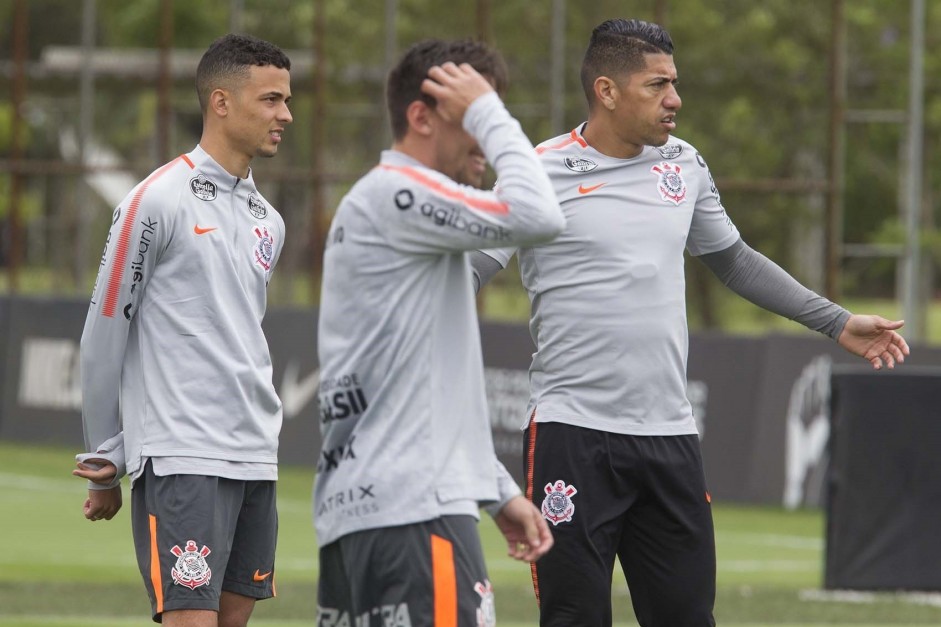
x=295, y=392
x=200, y=231
x=586, y=190
x=259, y=576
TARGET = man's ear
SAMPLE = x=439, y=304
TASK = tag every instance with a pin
x=420, y=117
x=219, y=102
x=606, y=92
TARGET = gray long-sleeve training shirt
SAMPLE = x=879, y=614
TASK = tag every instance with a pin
x=175, y=366
x=406, y=433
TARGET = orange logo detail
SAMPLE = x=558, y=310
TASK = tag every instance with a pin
x=259, y=576
x=586, y=190
x=201, y=231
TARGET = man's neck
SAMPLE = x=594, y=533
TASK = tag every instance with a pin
x=601, y=136
x=232, y=161
x=417, y=150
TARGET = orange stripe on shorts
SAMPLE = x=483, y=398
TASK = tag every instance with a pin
x=530, y=463
x=445, y=582
x=155, y=579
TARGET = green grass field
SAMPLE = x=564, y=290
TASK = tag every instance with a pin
x=58, y=569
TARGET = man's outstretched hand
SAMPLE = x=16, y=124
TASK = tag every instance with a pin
x=874, y=339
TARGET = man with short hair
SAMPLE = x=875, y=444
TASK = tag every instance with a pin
x=176, y=373
x=611, y=449
x=407, y=455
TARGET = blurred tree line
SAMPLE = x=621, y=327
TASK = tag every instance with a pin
x=753, y=78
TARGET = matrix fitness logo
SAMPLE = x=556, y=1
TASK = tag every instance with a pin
x=558, y=507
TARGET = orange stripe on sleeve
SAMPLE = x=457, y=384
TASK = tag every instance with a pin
x=530, y=463
x=155, y=578
x=445, y=582
x=124, y=241
x=491, y=206
x=571, y=139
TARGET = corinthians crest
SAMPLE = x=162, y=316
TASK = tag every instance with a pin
x=264, y=247
x=558, y=506
x=670, y=184
x=191, y=569
x=487, y=611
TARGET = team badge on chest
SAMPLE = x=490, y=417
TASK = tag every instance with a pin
x=191, y=569
x=579, y=164
x=203, y=188
x=264, y=247
x=670, y=184
x=558, y=507
x=257, y=207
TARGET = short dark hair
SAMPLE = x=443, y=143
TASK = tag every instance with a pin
x=229, y=59
x=617, y=47
x=403, y=86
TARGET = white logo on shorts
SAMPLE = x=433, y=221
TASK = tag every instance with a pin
x=191, y=569
x=487, y=612
x=558, y=507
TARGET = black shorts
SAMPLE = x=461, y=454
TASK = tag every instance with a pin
x=428, y=574
x=196, y=536
x=642, y=499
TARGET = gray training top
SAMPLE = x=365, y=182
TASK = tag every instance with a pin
x=608, y=295
x=175, y=366
x=406, y=432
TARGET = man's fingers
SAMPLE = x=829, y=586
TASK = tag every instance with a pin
x=891, y=325
x=546, y=539
x=896, y=353
x=531, y=553
x=101, y=475
x=522, y=551
x=447, y=70
x=538, y=539
x=432, y=88
x=900, y=343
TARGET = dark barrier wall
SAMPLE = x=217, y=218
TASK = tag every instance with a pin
x=884, y=507
x=42, y=394
x=761, y=403
x=292, y=338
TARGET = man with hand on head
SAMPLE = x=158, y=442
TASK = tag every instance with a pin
x=176, y=374
x=611, y=448
x=407, y=455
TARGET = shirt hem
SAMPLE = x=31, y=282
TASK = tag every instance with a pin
x=619, y=427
